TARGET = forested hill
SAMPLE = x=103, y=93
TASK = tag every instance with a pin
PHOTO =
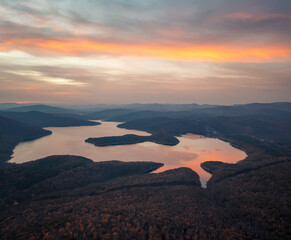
x=16, y=127
x=41, y=108
x=158, y=137
x=12, y=132
x=41, y=119
x=70, y=197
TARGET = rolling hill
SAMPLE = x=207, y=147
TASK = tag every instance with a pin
x=12, y=132
x=41, y=119
x=41, y=108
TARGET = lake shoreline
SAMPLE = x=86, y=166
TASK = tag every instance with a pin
x=190, y=152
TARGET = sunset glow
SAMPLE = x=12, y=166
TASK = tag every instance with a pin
x=197, y=53
x=154, y=119
x=149, y=52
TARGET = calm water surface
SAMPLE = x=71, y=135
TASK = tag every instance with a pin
x=190, y=152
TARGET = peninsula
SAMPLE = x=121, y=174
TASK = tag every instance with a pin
x=159, y=138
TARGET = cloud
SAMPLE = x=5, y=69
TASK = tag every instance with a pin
x=38, y=76
x=201, y=31
x=72, y=47
x=84, y=51
x=171, y=82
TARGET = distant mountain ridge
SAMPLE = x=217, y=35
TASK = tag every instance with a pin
x=41, y=108
x=4, y=106
x=69, y=108
x=41, y=119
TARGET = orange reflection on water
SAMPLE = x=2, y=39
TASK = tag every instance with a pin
x=203, y=149
x=190, y=152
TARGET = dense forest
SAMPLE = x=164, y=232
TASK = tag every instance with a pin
x=71, y=197
x=79, y=199
x=12, y=132
x=160, y=137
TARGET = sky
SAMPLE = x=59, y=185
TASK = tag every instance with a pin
x=153, y=51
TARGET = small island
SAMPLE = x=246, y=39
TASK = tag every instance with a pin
x=159, y=138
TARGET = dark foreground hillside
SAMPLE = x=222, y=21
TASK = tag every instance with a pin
x=79, y=199
x=12, y=132
x=69, y=197
x=17, y=127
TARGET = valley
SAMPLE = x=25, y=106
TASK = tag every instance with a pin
x=152, y=194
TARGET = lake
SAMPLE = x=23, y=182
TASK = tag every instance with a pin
x=190, y=152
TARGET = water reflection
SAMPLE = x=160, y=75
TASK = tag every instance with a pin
x=190, y=152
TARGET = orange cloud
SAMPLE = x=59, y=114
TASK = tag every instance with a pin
x=71, y=47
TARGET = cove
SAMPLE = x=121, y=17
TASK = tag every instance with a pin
x=190, y=152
